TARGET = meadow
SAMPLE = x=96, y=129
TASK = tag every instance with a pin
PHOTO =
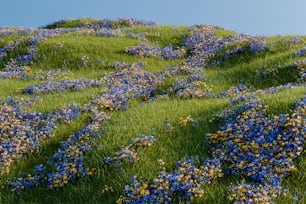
x=129, y=111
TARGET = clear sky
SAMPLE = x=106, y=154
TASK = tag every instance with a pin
x=267, y=17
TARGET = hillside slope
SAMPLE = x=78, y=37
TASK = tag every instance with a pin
x=128, y=111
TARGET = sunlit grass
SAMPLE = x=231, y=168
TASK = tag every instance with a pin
x=171, y=145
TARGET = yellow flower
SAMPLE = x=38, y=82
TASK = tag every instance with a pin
x=292, y=169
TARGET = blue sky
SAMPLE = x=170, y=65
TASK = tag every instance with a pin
x=267, y=17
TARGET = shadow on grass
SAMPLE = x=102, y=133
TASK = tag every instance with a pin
x=260, y=78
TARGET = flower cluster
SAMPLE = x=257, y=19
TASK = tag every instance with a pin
x=184, y=183
x=168, y=126
x=170, y=54
x=84, y=59
x=295, y=41
x=240, y=43
x=120, y=65
x=300, y=66
x=28, y=180
x=256, y=193
x=116, y=23
x=182, y=69
x=139, y=36
x=30, y=43
x=189, y=87
x=234, y=90
x=298, y=196
x=269, y=72
x=260, y=146
x=26, y=58
x=203, y=45
x=146, y=50
x=13, y=45
x=5, y=31
x=68, y=161
x=300, y=53
x=46, y=33
x=22, y=131
x=126, y=84
x=186, y=121
x=128, y=153
x=108, y=32
x=14, y=72
x=51, y=75
x=302, y=76
x=189, y=83
x=123, y=65
x=107, y=188
x=242, y=96
x=104, y=27
x=64, y=85
x=10, y=47
x=191, y=92
x=13, y=69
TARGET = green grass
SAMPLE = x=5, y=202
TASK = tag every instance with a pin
x=223, y=33
x=142, y=118
x=17, y=51
x=71, y=23
x=102, y=52
x=162, y=35
x=50, y=102
x=170, y=147
x=13, y=87
x=243, y=69
x=282, y=102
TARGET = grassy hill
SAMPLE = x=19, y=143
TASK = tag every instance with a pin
x=128, y=111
